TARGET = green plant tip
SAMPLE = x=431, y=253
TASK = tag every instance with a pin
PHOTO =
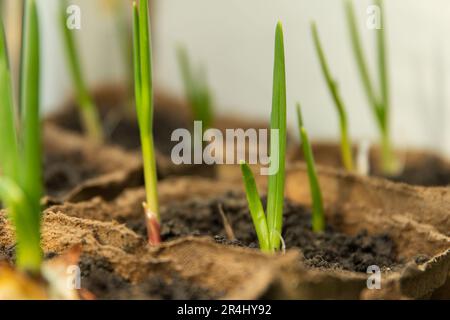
x=346, y=148
x=89, y=115
x=318, y=217
x=269, y=226
x=196, y=89
x=144, y=109
x=378, y=100
x=275, y=197
x=21, y=179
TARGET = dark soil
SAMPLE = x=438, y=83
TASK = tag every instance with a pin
x=62, y=172
x=431, y=173
x=124, y=130
x=7, y=253
x=330, y=249
x=97, y=276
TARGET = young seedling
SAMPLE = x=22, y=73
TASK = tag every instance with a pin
x=196, y=89
x=20, y=144
x=318, y=217
x=88, y=110
x=346, y=148
x=379, y=102
x=256, y=209
x=269, y=226
x=144, y=107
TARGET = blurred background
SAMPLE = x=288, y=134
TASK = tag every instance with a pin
x=234, y=40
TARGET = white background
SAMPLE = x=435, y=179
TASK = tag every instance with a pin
x=234, y=39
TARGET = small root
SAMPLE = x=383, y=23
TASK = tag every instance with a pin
x=226, y=224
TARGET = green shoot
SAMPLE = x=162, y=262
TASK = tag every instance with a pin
x=21, y=180
x=275, y=197
x=379, y=102
x=256, y=208
x=346, y=148
x=318, y=217
x=8, y=142
x=269, y=227
x=88, y=110
x=196, y=89
x=144, y=109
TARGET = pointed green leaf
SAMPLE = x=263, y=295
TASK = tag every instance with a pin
x=256, y=208
x=9, y=157
x=379, y=103
x=21, y=180
x=136, y=59
x=30, y=101
x=88, y=110
x=196, y=89
x=144, y=99
x=145, y=56
x=359, y=56
x=275, y=198
x=382, y=60
x=346, y=151
x=318, y=217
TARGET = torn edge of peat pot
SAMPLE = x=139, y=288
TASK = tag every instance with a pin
x=413, y=216
x=117, y=169
x=240, y=272
x=235, y=273
x=353, y=203
x=128, y=205
x=416, y=218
